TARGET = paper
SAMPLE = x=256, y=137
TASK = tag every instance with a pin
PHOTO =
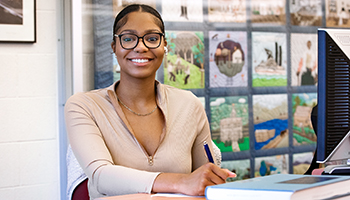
x=174, y=195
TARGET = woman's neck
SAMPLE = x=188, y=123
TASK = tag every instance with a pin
x=136, y=92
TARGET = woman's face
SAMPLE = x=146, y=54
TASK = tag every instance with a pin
x=140, y=62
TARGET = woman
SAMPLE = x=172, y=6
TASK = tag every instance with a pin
x=138, y=135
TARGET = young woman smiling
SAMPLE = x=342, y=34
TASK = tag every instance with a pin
x=138, y=135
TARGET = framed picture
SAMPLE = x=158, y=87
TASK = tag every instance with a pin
x=17, y=21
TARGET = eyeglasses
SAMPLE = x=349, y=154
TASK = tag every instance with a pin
x=150, y=40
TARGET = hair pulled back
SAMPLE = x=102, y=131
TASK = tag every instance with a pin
x=122, y=18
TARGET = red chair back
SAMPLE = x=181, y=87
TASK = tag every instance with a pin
x=81, y=191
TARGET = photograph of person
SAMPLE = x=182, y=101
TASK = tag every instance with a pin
x=139, y=135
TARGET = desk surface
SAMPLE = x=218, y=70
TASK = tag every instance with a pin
x=148, y=197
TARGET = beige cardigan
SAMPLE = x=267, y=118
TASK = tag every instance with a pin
x=110, y=155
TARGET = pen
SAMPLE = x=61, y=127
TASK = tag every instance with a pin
x=207, y=151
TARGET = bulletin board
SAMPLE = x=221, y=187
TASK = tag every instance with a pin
x=253, y=64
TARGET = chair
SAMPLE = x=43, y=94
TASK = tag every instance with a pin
x=77, y=181
x=81, y=191
x=77, y=186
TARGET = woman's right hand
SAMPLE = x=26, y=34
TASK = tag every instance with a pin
x=194, y=183
x=206, y=175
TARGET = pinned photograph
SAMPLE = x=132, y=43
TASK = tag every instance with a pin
x=301, y=162
x=305, y=12
x=303, y=132
x=182, y=10
x=229, y=123
x=240, y=167
x=228, y=59
x=303, y=59
x=269, y=165
x=118, y=5
x=270, y=121
x=269, y=59
x=268, y=11
x=337, y=13
x=227, y=11
x=184, y=62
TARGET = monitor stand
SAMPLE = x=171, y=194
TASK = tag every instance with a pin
x=337, y=169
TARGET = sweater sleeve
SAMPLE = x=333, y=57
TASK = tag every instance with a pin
x=203, y=134
x=88, y=145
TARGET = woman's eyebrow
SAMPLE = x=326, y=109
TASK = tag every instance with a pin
x=147, y=31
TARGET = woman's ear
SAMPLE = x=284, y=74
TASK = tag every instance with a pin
x=113, y=46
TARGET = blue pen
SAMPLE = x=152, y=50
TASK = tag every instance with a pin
x=207, y=151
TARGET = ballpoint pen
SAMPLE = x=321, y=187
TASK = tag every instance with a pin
x=207, y=151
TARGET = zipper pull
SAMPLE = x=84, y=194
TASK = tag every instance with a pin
x=150, y=160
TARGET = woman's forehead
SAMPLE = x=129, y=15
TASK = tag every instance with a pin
x=140, y=20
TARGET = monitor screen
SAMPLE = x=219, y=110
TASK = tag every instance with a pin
x=333, y=120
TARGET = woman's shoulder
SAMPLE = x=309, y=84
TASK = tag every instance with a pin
x=87, y=97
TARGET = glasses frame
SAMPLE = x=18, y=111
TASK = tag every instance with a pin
x=138, y=40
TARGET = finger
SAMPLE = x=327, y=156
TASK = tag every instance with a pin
x=230, y=174
x=222, y=173
x=217, y=175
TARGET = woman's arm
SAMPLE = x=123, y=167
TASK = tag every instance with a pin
x=194, y=183
x=89, y=147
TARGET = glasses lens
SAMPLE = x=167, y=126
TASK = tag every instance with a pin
x=128, y=41
x=152, y=40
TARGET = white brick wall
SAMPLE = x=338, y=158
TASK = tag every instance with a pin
x=29, y=144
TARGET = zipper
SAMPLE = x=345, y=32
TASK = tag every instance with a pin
x=150, y=160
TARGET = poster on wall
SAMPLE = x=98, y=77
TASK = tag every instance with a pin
x=303, y=132
x=18, y=21
x=269, y=165
x=301, y=162
x=227, y=11
x=228, y=59
x=240, y=167
x=305, y=13
x=270, y=113
x=337, y=13
x=184, y=63
x=230, y=123
x=182, y=10
x=303, y=59
x=118, y=5
x=269, y=59
x=268, y=11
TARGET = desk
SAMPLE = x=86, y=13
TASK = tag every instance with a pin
x=148, y=197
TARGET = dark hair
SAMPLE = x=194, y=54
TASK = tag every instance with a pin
x=122, y=18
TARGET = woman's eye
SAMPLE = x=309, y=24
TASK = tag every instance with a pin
x=152, y=38
x=127, y=39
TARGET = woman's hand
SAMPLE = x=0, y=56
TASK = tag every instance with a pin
x=194, y=183
x=208, y=174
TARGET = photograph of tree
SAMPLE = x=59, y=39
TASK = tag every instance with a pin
x=268, y=11
x=228, y=55
x=303, y=59
x=270, y=121
x=303, y=132
x=269, y=165
x=305, y=13
x=227, y=11
x=269, y=59
x=229, y=123
x=184, y=63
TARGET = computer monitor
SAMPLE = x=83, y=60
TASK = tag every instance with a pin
x=333, y=119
